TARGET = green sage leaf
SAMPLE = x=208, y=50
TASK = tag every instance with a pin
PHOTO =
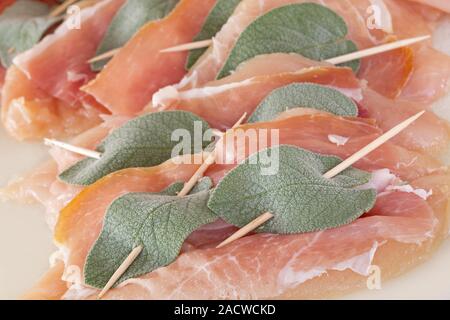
x=142, y=142
x=301, y=199
x=22, y=25
x=305, y=95
x=217, y=17
x=129, y=19
x=309, y=29
x=160, y=223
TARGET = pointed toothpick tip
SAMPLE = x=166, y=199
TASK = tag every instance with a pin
x=66, y=146
x=121, y=270
x=188, y=46
x=388, y=135
x=377, y=50
x=104, y=56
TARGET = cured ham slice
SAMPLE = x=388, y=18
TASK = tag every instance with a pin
x=433, y=80
x=2, y=80
x=396, y=65
x=223, y=102
x=430, y=79
x=210, y=63
x=438, y=4
x=311, y=132
x=57, y=65
x=129, y=80
x=30, y=113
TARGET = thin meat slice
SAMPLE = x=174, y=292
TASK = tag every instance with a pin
x=438, y=4
x=29, y=113
x=396, y=66
x=2, y=80
x=431, y=77
x=267, y=265
x=429, y=134
x=223, y=102
x=58, y=64
x=311, y=131
x=208, y=66
x=432, y=80
x=129, y=80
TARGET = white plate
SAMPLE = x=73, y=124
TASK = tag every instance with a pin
x=25, y=240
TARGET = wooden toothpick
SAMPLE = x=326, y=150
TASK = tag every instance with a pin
x=121, y=270
x=91, y=153
x=183, y=47
x=247, y=228
x=61, y=8
x=330, y=174
x=72, y=148
x=376, y=50
x=337, y=60
x=186, y=189
x=104, y=56
x=189, y=46
x=372, y=146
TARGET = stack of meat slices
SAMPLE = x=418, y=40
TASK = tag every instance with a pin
x=46, y=94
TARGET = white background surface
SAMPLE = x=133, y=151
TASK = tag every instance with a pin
x=26, y=242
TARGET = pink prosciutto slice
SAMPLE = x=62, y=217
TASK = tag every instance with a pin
x=58, y=64
x=222, y=102
x=430, y=134
x=396, y=65
x=433, y=81
x=311, y=131
x=129, y=80
x=438, y=4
